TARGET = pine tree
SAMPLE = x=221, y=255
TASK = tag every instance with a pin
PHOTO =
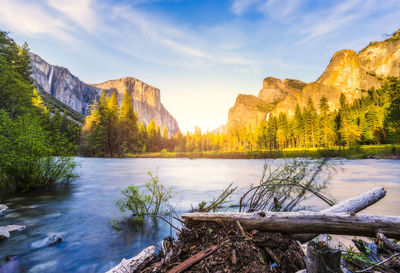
x=165, y=138
x=128, y=125
x=298, y=127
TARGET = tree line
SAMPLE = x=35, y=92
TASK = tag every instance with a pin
x=111, y=130
x=115, y=131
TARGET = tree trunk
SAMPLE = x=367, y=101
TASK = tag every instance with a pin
x=322, y=259
x=308, y=222
x=353, y=204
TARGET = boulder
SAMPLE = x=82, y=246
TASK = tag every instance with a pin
x=11, y=228
x=4, y=234
x=3, y=209
x=54, y=239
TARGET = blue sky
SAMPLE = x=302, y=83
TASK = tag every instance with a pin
x=200, y=53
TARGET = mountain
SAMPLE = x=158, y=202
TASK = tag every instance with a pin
x=348, y=72
x=251, y=110
x=70, y=90
x=146, y=101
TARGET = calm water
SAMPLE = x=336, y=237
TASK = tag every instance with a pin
x=80, y=212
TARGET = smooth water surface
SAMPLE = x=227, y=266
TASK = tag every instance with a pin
x=81, y=211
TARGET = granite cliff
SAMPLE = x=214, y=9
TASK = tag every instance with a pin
x=348, y=72
x=67, y=88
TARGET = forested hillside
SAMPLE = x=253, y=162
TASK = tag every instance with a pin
x=35, y=144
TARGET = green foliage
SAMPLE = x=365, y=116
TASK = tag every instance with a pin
x=34, y=150
x=111, y=130
x=26, y=155
x=152, y=201
x=15, y=93
x=114, y=224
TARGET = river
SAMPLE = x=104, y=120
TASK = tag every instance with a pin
x=81, y=211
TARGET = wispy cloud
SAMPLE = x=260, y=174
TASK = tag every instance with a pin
x=240, y=6
x=30, y=18
x=81, y=12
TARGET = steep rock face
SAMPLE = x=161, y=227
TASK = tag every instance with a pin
x=275, y=90
x=67, y=88
x=382, y=58
x=249, y=109
x=146, y=101
x=61, y=84
x=348, y=72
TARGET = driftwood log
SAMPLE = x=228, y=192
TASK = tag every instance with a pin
x=353, y=204
x=136, y=263
x=307, y=222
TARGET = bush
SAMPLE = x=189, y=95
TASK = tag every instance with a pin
x=27, y=160
x=152, y=201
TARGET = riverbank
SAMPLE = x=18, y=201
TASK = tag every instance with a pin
x=384, y=151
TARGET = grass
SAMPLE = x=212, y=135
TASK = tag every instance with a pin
x=389, y=151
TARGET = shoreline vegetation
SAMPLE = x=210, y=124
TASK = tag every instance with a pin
x=383, y=151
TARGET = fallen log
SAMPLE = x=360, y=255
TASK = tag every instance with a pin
x=307, y=222
x=353, y=204
x=359, y=202
x=136, y=263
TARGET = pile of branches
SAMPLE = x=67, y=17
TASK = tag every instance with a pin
x=236, y=250
x=380, y=254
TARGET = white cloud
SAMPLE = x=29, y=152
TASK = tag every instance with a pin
x=32, y=19
x=79, y=11
x=240, y=6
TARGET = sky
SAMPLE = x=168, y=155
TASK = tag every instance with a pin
x=200, y=53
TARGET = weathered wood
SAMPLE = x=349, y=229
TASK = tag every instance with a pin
x=387, y=242
x=307, y=222
x=136, y=263
x=193, y=259
x=322, y=259
x=359, y=202
x=353, y=204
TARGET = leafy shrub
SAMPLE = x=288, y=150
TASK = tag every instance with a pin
x=153, y=200
x=27, y=160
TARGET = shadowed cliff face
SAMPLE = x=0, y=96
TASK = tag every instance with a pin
x=348, y=72
x=67, y=88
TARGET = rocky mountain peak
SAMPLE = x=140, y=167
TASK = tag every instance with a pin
x=67, y=88
x=348, y=72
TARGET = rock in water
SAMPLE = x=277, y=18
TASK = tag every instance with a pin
x=5, y=231
x=54, y=239
x=4, y=234
x=11, y=265
x=11, y=228
x=3, y=209
x=51, y=240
